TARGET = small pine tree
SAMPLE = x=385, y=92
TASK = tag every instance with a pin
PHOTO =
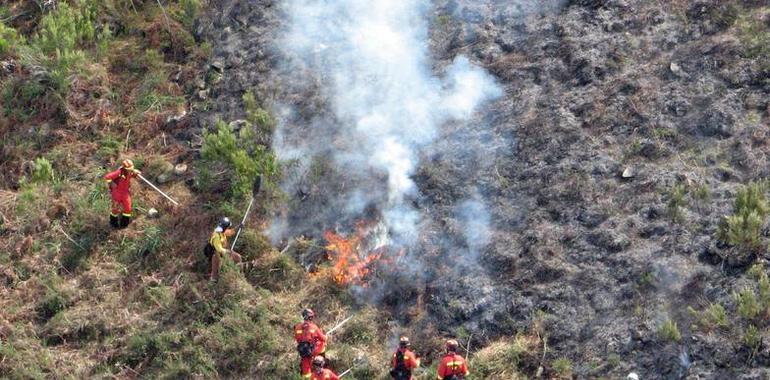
x=743, y=229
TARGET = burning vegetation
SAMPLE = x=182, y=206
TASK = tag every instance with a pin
x=356, y=258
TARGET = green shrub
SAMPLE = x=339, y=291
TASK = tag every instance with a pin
x=255, y=114
x=43, y=171
x=676, y=200
x=744, y=228
x=752, y=338
x=245, y=159
x=61, y=35
x=669, y=331
x=747, y=304
x=190, y=10
x=715, y=316
x=9, y=39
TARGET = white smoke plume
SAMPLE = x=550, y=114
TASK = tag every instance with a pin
x=372, y=61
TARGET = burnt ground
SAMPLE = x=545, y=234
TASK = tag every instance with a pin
x=672, y=93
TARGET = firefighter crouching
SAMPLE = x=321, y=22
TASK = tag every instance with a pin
x=452, y=366
x=404, y=361
x=216, y=248
x=311, y=343
x=119, y=182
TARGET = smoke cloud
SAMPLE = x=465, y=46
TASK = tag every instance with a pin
x=371, y=63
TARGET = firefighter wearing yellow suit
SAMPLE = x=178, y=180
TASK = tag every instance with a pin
x=216, y=249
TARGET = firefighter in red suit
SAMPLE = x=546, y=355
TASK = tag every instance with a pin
x=311, y=342
x=119, y=182
x=452, y=366
x=404, y=361
x=321, y=373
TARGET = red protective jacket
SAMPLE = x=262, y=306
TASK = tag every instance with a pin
x=309, y=332
x=410, y=360
x=121, y=179
x=324, y=374
x=452, y=364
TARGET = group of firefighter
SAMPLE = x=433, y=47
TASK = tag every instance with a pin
x=311, y=340
x=311, y=345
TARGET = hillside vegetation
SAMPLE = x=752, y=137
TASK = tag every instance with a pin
x=630, y=207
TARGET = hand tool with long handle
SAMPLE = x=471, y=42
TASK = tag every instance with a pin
x=254, y=191
x=158, y=190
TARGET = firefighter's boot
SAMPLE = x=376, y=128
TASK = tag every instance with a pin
x=125, y=220
x=114, y=221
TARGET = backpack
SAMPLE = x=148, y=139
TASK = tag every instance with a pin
x=305, y=349
x=400, y=372
x=208, y=250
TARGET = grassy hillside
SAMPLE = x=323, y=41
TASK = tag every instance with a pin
x=85, y=83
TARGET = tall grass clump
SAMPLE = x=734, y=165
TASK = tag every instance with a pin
x=743, y=229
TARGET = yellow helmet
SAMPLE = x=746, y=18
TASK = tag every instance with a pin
x=128, y=164
x=451, y=345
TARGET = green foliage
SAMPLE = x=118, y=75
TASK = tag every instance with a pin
x=189, y=11
x=669, y=331
x=239, y=339
x=676, y=200
x=747, y=304
x=751, y=338
x=359, y=331
x=255, y=114
x=503, y=360
x=61, y=36
x=245, y=159
x=144, y=248
x=754, y=36
x=744, y=228
x=9, y=39
x=20, y=96
x=109, y=148
x=715, y=316
x=563, y=367
x=702, y=193
x=55, y=299
x=42, y=171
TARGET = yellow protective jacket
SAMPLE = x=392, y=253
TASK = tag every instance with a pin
x=218, y=241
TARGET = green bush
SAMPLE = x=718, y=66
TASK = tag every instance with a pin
x=255, y=114
x=676, y=200
x=190, y=10
x=744, y=228
x=244, y=159
x=715, y=316
x=747, y=304
x=61, y=35
x=752, y=338
x=669, y=331
x=43, y=171
x=9, y=39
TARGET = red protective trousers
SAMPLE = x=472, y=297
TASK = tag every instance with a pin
x=120, y=191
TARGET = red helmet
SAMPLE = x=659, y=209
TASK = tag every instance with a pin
x=403, y=341
x=307, y=314
x=451, y=345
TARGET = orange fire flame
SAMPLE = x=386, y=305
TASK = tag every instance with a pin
x=351, y=266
